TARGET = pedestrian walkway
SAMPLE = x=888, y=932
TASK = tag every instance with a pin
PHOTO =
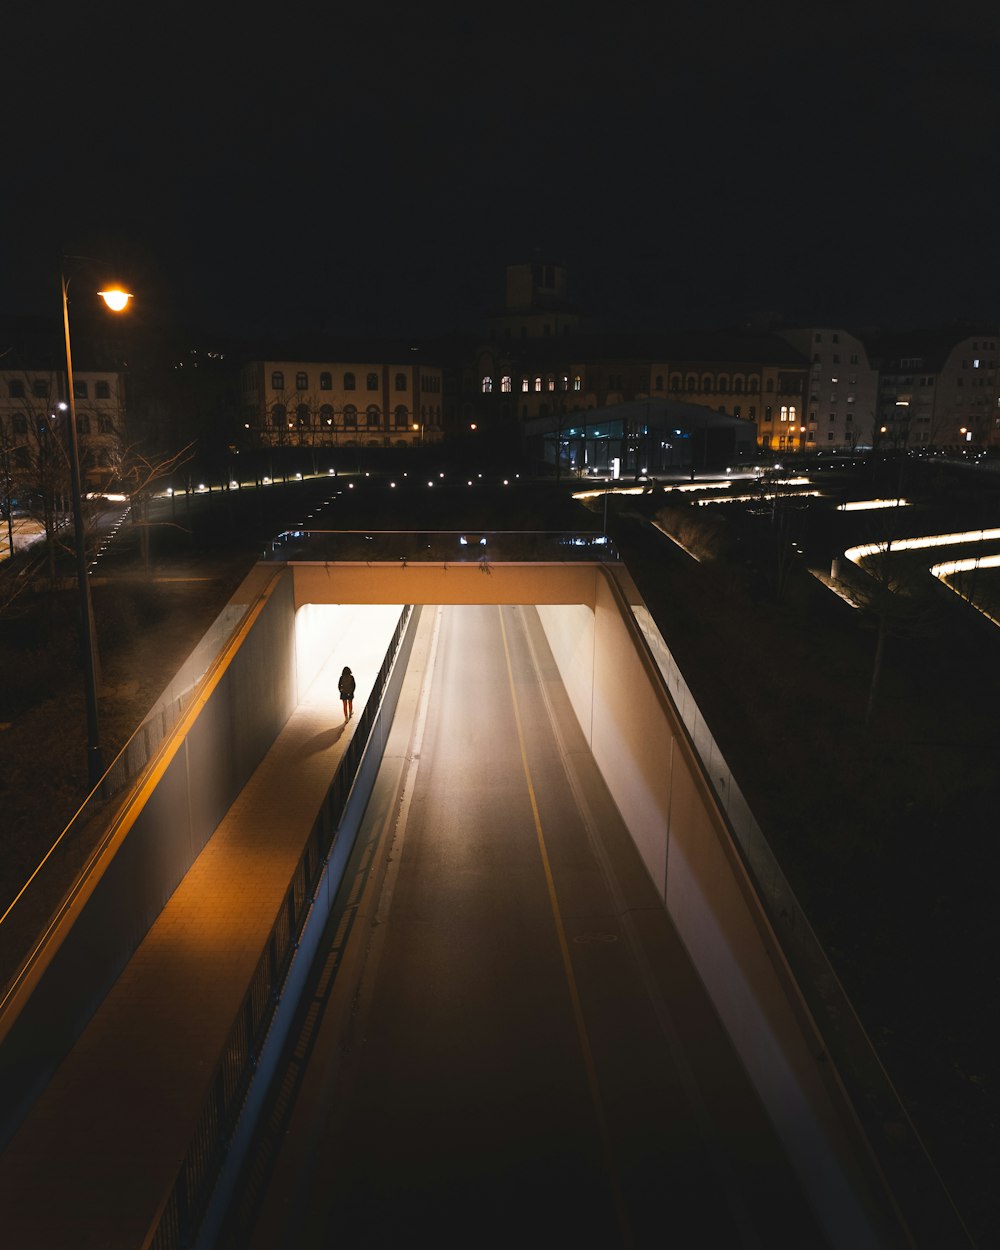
x=95, y=1158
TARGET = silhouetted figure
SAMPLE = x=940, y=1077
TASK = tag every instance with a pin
x=346, y=688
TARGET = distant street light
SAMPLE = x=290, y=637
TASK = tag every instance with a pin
x=116, y=299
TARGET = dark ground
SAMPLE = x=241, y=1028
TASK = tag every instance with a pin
x=887, y=833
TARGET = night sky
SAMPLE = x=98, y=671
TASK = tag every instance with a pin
x=372, y=171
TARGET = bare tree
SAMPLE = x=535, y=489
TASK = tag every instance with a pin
x=138, y=474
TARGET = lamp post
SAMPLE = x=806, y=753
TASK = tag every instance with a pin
x=116, y=299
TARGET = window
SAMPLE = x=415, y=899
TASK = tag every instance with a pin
x=20, y=423
x=737, y=386
x=769, y=385
x=784, y=412
x=374, y=417
x=350, y=384
x=79, y=390
x=302, y=416
x=830, y=437
x=675, y=382
x=400, y=381
x=40, y=388
x=105, y=424
x=350, y=415
x=723, y=385
x=538, y=384
x=326, y=415
x=402, y=418
x=752, y=412
x=767, y=413
x=15, y=389
x=278, y=416
x=325, y=382
x=302, y=381
x=277, y=380
x=577, y=382
x=83, y=424
x=487, y=385
x=505, y=384
x=658, y=384
x=737, y=408
x=525, y=386
x=372, y=383
x=102, y=390
x=754, y=386
x=551, y=382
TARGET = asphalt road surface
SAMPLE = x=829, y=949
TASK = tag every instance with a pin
x=534, y=1059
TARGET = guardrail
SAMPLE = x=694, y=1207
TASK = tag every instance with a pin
x=442, y=546
x=184, y=1210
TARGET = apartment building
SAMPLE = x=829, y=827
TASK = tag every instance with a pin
x=34, y=423
x=364, y=399
x=842, y=400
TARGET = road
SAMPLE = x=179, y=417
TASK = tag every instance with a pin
x=532, y=1058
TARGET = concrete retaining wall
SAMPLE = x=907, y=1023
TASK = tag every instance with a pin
x=653, y=774
x=202, y=767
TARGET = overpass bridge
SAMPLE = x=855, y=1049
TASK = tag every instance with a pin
x=509, y=940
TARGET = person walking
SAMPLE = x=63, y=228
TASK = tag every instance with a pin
x=346, y=688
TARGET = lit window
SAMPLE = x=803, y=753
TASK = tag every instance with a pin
x=487, y=385
x=538, y=384
x=551, y=382
x=525, y=386
x=505, y=384
x=577, y=382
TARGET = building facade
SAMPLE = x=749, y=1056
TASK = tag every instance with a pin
x=34, y=425
x=938, y=390
x=843, y=389
x=358, y=402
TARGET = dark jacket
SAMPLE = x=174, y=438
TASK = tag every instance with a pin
x=346, y=685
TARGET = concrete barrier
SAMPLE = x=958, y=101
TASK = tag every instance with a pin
x=201, y=768
x=651, y=769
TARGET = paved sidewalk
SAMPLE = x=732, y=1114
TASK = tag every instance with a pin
x=93, y=1160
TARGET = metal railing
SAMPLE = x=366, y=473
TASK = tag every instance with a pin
x=178, y=1223
x=442, y=546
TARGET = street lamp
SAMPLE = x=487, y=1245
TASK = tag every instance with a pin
x=116, y=299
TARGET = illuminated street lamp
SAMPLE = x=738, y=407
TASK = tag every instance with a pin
x=116, y=299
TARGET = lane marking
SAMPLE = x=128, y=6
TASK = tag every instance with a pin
x=574, y=994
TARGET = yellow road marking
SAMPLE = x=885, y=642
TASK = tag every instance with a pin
x=574, y=995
